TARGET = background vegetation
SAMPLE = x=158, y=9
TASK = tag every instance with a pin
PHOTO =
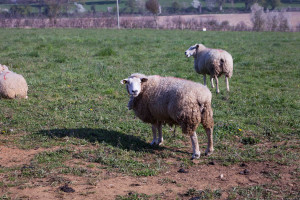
x=50, y=8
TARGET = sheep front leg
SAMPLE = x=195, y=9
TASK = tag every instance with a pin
x=217, y=84
x=154, y=134
x=227, y=83
x=195, y=144
x=204, y=79
x=160, y=137
x=212, y=82
x=210, y=144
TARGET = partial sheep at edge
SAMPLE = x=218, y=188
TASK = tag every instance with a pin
x=12, y=85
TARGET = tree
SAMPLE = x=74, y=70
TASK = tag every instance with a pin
x=132, y=4
x=267, y=3
x=264, y=3
x=140, y=4
x=154, y=7
x=53, y=7
x=249, y=3
x=197, y=4
x=93, y=9
x=220, y=4
x=176, y=6
x=20, y=10
x=210, y=4
x=258, y=17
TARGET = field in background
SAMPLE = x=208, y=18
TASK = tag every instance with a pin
x=75, y=128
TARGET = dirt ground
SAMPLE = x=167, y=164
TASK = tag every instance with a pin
x=170, y=184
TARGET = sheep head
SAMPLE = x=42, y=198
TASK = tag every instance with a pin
x=192, y=51
x=134, y=84
x=3, y=68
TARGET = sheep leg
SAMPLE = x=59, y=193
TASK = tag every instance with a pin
x=160, y=137
x=154, y=134
x=210, y=144
x=212, y=82
x=204, y=79
x=195, y=144
x=217, y=84
x=174, y=132
x=227, y=83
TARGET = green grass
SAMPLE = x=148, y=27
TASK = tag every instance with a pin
x=76, y=99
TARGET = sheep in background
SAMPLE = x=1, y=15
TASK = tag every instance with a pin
x=167, y=100
x=12, y=85
x=214, y=62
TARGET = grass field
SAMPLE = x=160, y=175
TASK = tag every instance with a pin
x=75, y=125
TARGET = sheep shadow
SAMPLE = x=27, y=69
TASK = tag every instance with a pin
x=114, y=138
x=111, y=137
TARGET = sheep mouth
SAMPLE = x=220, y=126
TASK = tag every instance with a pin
x=187, y=55
x=134, y=95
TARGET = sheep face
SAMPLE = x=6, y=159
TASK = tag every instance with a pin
x=192, y=50
x=134, y=85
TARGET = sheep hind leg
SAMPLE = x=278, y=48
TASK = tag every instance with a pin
x=210, y=144
x=227, y=83
x=154, y=128
x=195, y=144
x=204, y=79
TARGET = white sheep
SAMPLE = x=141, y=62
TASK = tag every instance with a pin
x=12, y=85
x=214, y=62
x=167, y=100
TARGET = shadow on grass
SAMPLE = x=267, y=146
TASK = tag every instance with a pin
x=114, y=138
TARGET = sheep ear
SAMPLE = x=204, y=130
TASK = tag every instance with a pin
x=124, y=81
x=144, y=79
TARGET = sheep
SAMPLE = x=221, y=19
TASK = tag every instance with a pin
x=214, y=62
x=168, y=100
x=12, y=85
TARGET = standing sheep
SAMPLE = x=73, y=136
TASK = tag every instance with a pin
x=159, y=100
x=214, y=62
x=12, y=85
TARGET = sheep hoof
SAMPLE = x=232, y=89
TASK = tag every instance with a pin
x=153, y=142
x=208, y=152
x=159, y=142
x=195, y=156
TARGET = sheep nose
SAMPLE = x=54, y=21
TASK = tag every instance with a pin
x=134, y=91
x=184, y=53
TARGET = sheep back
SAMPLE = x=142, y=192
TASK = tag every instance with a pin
x=214, y=62
x=12, y=85
x=173, y=101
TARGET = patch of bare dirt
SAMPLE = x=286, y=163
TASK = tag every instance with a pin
x=173, y=183
x=13, y=156
x=169, y=185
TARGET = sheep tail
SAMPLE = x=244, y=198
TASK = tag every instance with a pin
x=206, y=115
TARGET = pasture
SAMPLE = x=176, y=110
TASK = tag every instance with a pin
x=75, y=128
